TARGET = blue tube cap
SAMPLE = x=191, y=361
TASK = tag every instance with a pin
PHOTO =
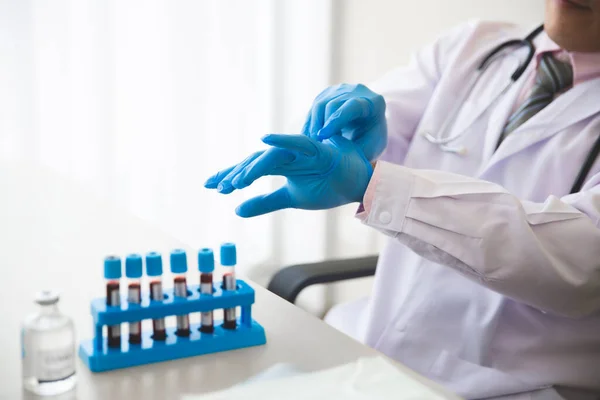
x=178, y=261
x=112, y=267
x=153, y=264
x=228, y=254
x=133, y=266
x=206, y=261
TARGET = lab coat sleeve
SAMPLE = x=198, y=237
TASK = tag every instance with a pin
x=407, y=90
x=546, y=255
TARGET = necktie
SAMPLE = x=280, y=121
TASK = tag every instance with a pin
x=552, y=77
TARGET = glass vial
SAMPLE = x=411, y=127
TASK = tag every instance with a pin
x=228, y=261
x=179, y=269
x=133, y=271
x=206, y=266
x=112, y=274
x=48, y=348
x=154, y=271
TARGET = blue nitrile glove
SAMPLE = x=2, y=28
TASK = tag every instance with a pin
x=319, y=175
x=353, y=111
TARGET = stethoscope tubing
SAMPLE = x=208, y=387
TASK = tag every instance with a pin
x=444, y=142
x=481, y=68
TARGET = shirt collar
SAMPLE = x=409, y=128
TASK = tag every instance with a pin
x=586, y=66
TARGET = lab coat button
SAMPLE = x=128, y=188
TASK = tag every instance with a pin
x=385, y=217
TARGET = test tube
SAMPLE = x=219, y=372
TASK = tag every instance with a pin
x=206, y=266
x=179, y=268
x=133, y=271
x=154, y=271
x=112, y=274
x=228, y=261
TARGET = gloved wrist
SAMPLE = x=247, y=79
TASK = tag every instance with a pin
x=364, y=183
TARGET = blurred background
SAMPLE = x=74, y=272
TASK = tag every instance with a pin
x=141, y=101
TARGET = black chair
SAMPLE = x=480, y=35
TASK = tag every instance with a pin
x=290, y=281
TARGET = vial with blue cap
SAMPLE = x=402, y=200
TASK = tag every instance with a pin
x=112, y=274
x=154, y=272
x=179, y=268
x=228, y=261
x=206, y=266
x=133, y=271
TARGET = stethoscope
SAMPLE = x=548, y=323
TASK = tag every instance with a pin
x=444, y=141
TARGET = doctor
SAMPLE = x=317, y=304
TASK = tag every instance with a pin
x=489, y=190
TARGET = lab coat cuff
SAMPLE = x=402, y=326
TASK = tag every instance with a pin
x=389, y=194
x=365, y=206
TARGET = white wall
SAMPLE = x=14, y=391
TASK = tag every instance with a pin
x=374, y=36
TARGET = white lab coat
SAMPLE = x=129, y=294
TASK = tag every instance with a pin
x=490, y=282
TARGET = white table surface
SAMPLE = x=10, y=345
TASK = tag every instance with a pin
x=55, y=234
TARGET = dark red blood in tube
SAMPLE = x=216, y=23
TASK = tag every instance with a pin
x=182, y=321
x=114, y=336
x=183, y=332
x=158, y=325
x=180, y=280
x=229, y=283
x=135, y=328
x=229, y=323
x=113, y=298
x=112, y=293
x=206, y=317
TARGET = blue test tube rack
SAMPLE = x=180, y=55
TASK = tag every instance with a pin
x=98, y=356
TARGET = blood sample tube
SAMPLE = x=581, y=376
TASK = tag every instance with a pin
x=133, y=271
x=228, y=261
x=206, y=266
x=154, y=271
x=112, y=274
x=179, y=268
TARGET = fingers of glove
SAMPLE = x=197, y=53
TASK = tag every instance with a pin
x=317, y=118
x=299, y=143
x=350, y=111
x=332, y=107
x=225, y=185
x=318, y=108
x=213, y=181
x=306, y=126
x=265, y=164
x=259, y=205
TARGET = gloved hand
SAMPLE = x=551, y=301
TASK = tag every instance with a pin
x=353, y=111
x=319, y=175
